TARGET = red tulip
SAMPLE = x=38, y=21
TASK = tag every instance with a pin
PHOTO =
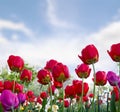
x=8, y=85
x=89, y=54
x=70, y=91
x=77, y=98
x=91, y=95
x=114, y=52
x=39, y=100
x=44, y=76
x=30, y=93
x=53, y=88
x=26, y=75
x=66, y=103
x=16, y=63
x=78, y=88
x=60, y=72
x=101, y=78
x=43, y=95
x=1, y=86
x=18, y=88
x=30, y=96
x=50, y=64
x=116, y=92
x=85, y=99
x=83, y=71
x=58, y=84
x=76, y=81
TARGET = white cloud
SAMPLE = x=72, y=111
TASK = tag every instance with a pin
x=64, y=49
x=53, y=17
x=15, y=37
x=103, y=39
x=10, y=25
x=3, y=40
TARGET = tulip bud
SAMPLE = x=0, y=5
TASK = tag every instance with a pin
x=83, y=71
x=9, y=100
x=89, y=54
x=26, y=75
x=60, y=72
x=44, y=76
x=114, y=52
x=16, y=63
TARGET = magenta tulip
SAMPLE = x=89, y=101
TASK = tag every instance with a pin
x=112, y=78
x=9, y=100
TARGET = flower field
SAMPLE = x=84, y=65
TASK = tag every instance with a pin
x=26, y=89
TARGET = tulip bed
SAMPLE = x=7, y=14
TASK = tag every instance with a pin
x=26, y=89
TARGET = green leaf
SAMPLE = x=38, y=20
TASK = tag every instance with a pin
x=112, y=103
x=44, y=102
x=1, y=109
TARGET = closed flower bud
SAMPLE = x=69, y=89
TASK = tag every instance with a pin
x=44, y=76
x=101, y=78
x=60, y=72
x=30, y=96
x=43, y=95
x=83, y=71
x=78, y=88
x=114, y=52
x=9, y=100
x=116, y=92
x=58, y=84
x=89, y=54
x=16, y=63
x=85, y=99
x=39, y=100
x=1, y=86
x=112, y=78
x=51, y=88
x=18, y=87
x=50, y=64
x=21, y=97
x=26, y=75
x=91, y=95
x=70, y=91
x=8, y=85
x=66, y=103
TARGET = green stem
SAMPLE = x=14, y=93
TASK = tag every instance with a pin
x=119, y=103
x=82, y=94
x=63, y=97
x=107, y=101
x=70, y=105
x=79, y=104
x=14, y=83
x=14, y=80
x=50, y=96
x=119, y=97
x=18, y=110
x=119, y=68
x=13, y=109
x=94, y=75
x=118, y=87
x=98, y=100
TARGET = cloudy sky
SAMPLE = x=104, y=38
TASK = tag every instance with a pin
x=40, y=30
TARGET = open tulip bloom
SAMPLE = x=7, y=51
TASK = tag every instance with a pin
x=52, y=89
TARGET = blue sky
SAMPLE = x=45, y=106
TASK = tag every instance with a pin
x=39, y=30
x=87, y=15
